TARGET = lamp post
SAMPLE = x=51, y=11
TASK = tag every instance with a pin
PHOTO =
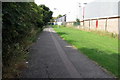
x=84, y=12
x=79, y=6
x=66, y=18
x=56, y=20
x=82, y=5
x=67, y=15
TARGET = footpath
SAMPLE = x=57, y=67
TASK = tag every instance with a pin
x=52, y=57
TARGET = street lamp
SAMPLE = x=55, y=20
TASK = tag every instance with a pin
x=82, y=5
x=79, y=8
x=68, y=16
x=56, y=20
x=84, y=12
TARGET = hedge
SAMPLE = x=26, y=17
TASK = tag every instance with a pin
x=21, y=22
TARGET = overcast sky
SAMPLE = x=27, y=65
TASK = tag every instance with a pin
x=62, y=6
x=69, y=7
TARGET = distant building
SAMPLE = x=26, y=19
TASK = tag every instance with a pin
x=101, y=10
x=61, y=20
x=99, y=15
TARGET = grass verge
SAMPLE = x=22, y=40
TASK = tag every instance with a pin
x=102, y=49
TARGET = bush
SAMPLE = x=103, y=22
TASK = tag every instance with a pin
x=21, y=22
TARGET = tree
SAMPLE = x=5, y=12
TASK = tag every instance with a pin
x=47, y=14
x=77, y=20
x=21, y=21
x=59, y=16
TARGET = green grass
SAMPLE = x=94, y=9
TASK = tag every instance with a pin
x=102, y=49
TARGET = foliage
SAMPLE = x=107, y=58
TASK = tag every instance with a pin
x=53, y=18
x=59, y=16
x=77, y=20
x=21, y=21
x=47, y=14
x=102, y=49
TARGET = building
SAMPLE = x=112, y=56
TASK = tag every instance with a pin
x=61, y=20
x=99, y=15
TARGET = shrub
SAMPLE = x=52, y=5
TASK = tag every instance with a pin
x=21, y=21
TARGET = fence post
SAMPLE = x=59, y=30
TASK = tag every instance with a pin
x=106, y=24
x=89, y=24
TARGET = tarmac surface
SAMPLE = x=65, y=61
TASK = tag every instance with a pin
x=52, y=57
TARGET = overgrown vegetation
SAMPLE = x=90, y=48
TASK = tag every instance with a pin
x=102, y=49
x=22, y=21
x=77, y=22
x=102, y=33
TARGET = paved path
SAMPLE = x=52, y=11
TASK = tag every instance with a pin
x=52, y=57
